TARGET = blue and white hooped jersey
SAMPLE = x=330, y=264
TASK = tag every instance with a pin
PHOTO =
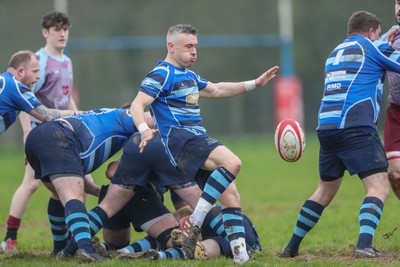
x=14, y=97
x=176, y=94
x=354, y=75
x=101, y=133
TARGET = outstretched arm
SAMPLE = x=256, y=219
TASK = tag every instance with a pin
x=48, y=114
x=230, y=89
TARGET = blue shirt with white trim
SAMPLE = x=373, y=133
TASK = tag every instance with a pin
x=14, y=97
x=354, y=75
x=176, y=94
x=101, y=133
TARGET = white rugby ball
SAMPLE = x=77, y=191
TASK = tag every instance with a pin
x=290, y=140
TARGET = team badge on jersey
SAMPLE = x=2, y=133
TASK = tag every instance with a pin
x=65, y=89
x=192, y=99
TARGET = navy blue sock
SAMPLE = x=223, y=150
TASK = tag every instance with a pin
x=369, y=218
x=144, y=244
x=214, y=220
x=56, y=214
x=233, y=223
x=173, y=254
x=78, y=223
x=97, y=218
x=216, y=184
x=307, y=219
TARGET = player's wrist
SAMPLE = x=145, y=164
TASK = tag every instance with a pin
x=250, y=85
x=143, y=127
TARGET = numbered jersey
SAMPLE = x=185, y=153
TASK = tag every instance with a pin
x=14, y=97
x=354, y=76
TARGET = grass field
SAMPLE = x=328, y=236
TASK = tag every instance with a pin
x=272, y=191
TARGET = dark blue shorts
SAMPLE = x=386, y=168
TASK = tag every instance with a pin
x=144, y=206
x=152, y=164
x=52, y=148
x=357, y=150
x=194, y=153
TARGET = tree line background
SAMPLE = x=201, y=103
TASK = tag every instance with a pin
x=110, y=78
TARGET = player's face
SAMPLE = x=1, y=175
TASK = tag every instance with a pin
x=31, y=73
x=397, y=11
x=185, y=50
x=56, y=37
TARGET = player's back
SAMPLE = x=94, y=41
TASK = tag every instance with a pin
x=101, y=134
x=353, y=85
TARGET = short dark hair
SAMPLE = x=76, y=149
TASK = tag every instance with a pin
x=181, y=28
x=362, y=22
x=56, y=19
x=21, y=58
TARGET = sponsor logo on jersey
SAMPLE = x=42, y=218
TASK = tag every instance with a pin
x=333, y=86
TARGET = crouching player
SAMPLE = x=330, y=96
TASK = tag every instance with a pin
x=149, y=206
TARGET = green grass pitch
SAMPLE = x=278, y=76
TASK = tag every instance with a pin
x=272, y=192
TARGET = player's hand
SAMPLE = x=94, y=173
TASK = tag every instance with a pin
x=266, y=76
x=391, y=35
x=146, y=135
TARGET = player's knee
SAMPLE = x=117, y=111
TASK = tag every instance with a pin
x=34, y=186
x=234, y=165
x=394, y=175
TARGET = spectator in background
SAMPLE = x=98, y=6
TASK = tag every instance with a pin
x=53, y=89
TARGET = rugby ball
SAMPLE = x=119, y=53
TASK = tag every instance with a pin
x=290, y=140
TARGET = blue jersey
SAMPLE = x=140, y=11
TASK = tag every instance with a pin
x=354, y=76
x=176, y=94
x=14, y=97
x=101, y=133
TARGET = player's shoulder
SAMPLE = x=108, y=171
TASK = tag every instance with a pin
x=66, y=58
x=42, y=54
x=6, y=76
x=158, y=75
x=162, y=69
x=10, y=80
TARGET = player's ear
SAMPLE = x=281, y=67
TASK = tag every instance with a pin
x=20, y=71
x=170, y=46
x=45, y=33
x=371, y=34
